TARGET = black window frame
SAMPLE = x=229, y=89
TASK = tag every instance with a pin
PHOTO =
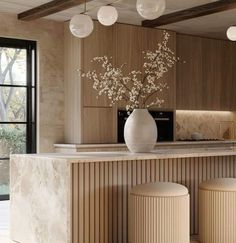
x=31, y=93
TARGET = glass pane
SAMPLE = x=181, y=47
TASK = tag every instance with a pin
x=13, y=66
x=12, y=140
x=12, y=104
x=4, y=177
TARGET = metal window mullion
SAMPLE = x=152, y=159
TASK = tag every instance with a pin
x=4, y=197
x=13, y=85
x=29, y=102
x=13, y=123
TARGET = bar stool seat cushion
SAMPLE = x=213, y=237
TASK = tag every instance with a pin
x=219, y=184
x=160, y=189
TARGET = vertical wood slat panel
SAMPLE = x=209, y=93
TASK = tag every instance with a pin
x=101, y=202
x=100, y=192
x=115, y=203
x=162, y=170
x=86, y=203
x=81, y=202
x=110, y=202
x=166, y=170
x=124, y=201
x=119, y=201
x=148, y=171
x=106, y=202
x=75, y=201
x=97, y=203
x=191, y=189
x=91, y=203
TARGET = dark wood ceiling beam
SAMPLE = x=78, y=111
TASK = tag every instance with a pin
x=203, y=10
x=46, y=9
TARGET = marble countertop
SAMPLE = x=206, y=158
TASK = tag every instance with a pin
x=115, y=145
x=83, y=157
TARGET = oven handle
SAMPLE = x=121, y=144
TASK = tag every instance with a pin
x=161, y=119
x=156, y=119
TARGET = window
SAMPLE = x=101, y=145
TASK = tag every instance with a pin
x=17, y=103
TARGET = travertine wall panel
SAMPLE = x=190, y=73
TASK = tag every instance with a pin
x=50, y=46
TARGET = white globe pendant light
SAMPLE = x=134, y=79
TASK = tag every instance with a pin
x=81, y=25
x=231, y=33
x=107, y=15
x=151, y=9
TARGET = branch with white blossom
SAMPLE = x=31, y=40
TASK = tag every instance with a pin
x=137, y=91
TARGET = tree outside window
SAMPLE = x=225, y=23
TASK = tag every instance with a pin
x=15, y=105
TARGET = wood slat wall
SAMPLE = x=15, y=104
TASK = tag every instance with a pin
x=100, y=192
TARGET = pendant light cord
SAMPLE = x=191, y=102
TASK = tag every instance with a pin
x=110, y=4
x=85, y=5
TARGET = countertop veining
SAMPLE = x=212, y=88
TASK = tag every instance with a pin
x=83, y=157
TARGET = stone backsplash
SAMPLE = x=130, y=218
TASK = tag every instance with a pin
x=211, y=124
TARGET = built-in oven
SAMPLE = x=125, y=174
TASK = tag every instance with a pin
x=164, y=121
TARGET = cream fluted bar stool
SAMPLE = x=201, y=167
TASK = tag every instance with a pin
x=217, y=211
x=159, y=213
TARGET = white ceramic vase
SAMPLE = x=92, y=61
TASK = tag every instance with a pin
x=140, y=131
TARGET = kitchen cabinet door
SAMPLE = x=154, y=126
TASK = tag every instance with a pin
x=228, y=73
x=232, y=92
x=205, y=74
x=129, y=46
x=212, y=73
x=101, y=42
x=150, y=38
x=189, y=83
x=99, y=125
x=128, y=49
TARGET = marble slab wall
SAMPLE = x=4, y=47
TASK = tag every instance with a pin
x=50, y=46
x=211, y=124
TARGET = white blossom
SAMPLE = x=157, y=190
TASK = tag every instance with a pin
x=138, y=89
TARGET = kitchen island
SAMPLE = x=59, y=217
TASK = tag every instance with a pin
x=83, y=197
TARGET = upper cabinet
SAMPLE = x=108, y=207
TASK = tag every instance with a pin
x=129, y=47
x=130, y=44
x=151, y=37
x=102, y=42
x=189, y=73
x=205, y=74
x=125, y=44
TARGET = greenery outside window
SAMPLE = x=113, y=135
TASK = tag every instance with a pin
x=17, y=103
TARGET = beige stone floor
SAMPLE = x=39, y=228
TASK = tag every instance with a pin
x=4, y=221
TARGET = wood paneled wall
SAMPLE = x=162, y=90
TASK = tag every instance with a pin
x=206, y=74
x=204, y=79
x=90, y=119
x=100, y=191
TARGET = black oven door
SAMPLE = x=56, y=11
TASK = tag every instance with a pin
x=164, y=121
x=165, y=125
